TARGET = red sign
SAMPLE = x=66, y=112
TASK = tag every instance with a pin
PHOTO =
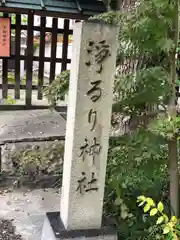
x=5, y=36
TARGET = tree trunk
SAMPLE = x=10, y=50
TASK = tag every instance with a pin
x=173, y=177
x=115, y=4
x=118, y=4
x=172, y=144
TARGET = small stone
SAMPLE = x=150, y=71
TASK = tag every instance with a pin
x=42, y=198
x=17, y=210
x=7, y=190
x=8, y=203
x=8, y=231
x=16, y=183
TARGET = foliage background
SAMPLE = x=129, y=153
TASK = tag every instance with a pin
x=138, y=160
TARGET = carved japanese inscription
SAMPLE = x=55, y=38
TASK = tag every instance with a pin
x=92, y=149
x=87, y=185
x=92, y=118
x=97, y=52
x=95, y=91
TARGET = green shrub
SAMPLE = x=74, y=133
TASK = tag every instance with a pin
x=58, y=88
x=134, y=168
x=35, y=160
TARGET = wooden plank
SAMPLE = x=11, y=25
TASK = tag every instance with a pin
x=5, y=73
x=21, y=87
x=53, y=49
x=5, y=78
x=47, y=29
x=32, y=107
x=0, y=159
x=29, y=59
x=17, y=57
x=41, y=58
x=37, y=58
x=65, y=45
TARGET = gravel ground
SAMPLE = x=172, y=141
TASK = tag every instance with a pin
x=27, y=208
x=7, y=230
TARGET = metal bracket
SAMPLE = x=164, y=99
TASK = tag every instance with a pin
x=79, y=6
x=3, y=2
x=42, y=5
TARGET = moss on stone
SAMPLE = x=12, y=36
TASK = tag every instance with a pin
x=36, y=159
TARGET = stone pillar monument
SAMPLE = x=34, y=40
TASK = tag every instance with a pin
x=87, y=135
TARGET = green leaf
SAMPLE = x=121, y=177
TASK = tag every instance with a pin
x=160, y=220
x=166, y=219
x=174, y=219
x=141, y=198
x=160, y=207
x=150, y=202
x=141, y=204
x=177, y=82
x=118, y=202
x=166, y=44
x=146, y=208
x=124, y=215
x=166, y=230
x=130, y=215
x=153, y=212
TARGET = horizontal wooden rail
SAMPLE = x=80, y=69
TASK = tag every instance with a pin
x=36, y=58
x=47, y=29
x=15, y=107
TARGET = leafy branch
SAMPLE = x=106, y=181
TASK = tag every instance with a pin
x=170, y=227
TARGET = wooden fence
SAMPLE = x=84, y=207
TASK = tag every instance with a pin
x=29, y=57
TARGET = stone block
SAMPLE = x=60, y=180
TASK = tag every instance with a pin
x=9, y=148
x=53, y=229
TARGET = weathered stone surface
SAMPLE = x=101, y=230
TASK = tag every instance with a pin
x=15, y=125
x=88, y=125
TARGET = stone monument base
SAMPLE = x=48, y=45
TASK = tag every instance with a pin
x=53, y=229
